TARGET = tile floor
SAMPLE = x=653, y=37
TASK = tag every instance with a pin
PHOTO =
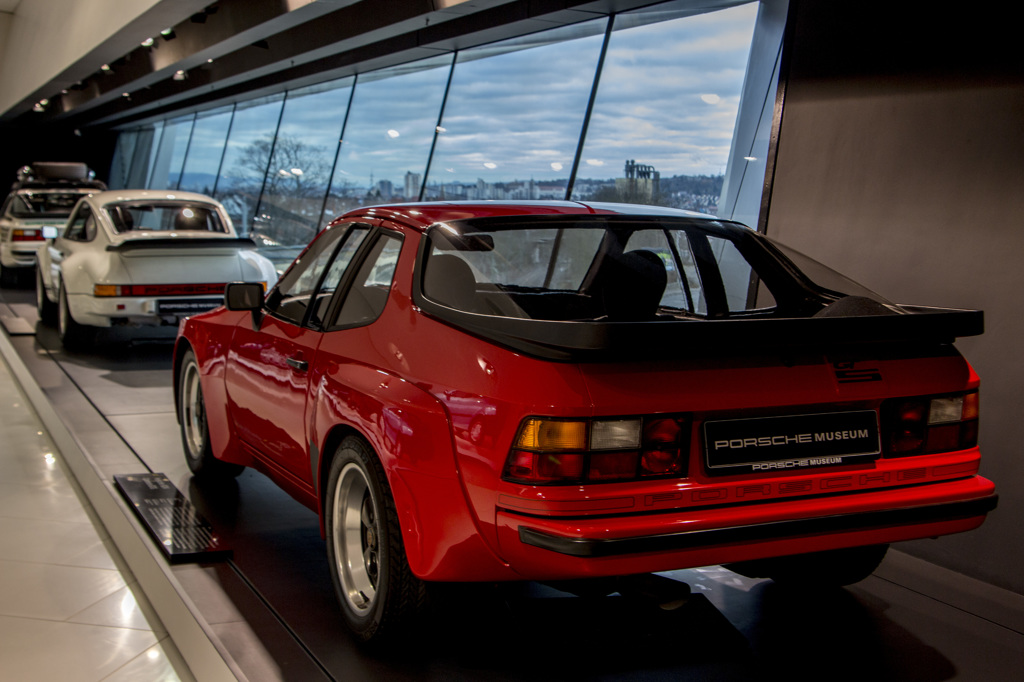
x=69, y=608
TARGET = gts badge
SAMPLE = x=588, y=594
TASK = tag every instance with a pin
x=849, y=373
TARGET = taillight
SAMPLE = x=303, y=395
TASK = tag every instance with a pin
x=925, y=425
x=26, y=235
x=566, y=451
x=109, y=290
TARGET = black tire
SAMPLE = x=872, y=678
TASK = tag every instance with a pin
x=195, y=435
x=8, y=277
x=378, y=593
x=819, y=570
x=73, y=336
x=47, y=308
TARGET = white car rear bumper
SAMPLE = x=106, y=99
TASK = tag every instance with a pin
x=105, y=312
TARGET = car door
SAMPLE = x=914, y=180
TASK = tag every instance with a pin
x=81, y=230
x=267, y=373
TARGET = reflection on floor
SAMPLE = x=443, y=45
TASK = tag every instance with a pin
x=272, y=606
x=68, y=609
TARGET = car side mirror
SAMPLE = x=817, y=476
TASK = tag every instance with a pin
x=50, y=232
x=245, y=296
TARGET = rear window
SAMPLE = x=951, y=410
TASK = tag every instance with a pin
x=44, y=204
x=164, y=217
x=615, y=268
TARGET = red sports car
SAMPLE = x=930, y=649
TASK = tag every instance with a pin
x=557, y=391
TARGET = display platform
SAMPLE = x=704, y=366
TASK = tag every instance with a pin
x=268, y=612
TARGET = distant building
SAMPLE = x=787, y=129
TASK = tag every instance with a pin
x=641, y=181
x=412, y=185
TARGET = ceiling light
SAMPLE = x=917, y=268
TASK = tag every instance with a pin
x=179, y=75
x=148, y=42
x=168, y=34
x=106, y=68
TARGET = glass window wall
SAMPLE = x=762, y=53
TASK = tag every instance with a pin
x=304, y=153
x=679, y=116
x=170, y=153
x=513, y=117
x=246, y=157
x=205, y=151
x=666, y=107
x=388, y=135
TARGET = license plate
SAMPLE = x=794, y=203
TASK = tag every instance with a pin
x=762, y=444
x=186, y=306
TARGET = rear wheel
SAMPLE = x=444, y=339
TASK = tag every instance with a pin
x=195, y=434
x=378, y=593
x=819, y=570
x=73, y=335
x=47, y=308
x=8, y=276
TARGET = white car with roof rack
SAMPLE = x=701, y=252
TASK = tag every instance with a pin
x=142, y=258
x=42, y=196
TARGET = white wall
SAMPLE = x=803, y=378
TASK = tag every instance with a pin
x=5, y=26
x=48, y=39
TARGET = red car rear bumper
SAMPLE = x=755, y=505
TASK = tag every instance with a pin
x=562, y=548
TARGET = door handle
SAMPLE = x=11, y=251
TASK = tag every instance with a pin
x=300, y=365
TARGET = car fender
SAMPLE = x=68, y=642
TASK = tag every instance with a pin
x=410, y=431
x=209, y=336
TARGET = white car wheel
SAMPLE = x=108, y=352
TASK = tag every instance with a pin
x=73, y=335
x=47, y=308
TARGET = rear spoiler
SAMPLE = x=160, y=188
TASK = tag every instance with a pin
x=179, y=242
x=662, y=339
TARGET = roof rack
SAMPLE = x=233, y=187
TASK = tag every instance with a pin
x=56, y=174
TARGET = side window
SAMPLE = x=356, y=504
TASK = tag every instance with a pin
x=295, y=291
x=368, y=294
x=90, y=228
x=76, y=228
x=738, y=278
x=334, y=274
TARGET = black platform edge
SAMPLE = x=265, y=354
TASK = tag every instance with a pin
x=203, y=651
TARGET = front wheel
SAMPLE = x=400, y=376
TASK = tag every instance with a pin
x=818, y=570
x=195, y=434
x=378, y=593
x=47, y=308
x=73, y=336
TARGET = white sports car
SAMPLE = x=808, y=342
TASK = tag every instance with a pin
x=140, y=257
x=42, y=196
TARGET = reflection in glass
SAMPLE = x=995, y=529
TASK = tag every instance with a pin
x=170, y=154
x=124, y=151
x=514, y=114
x=202, y=161
x=666, y=107
x=388, y=135
x=307, y=142
x=134, y=156
x=246, y=157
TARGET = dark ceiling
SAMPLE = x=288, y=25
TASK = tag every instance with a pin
x=238, y=49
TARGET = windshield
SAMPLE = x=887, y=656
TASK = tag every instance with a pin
x=164, y=217
x=618, y=268
x=44, y=204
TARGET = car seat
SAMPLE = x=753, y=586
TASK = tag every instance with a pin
x=449, y=280
x=629, y=287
